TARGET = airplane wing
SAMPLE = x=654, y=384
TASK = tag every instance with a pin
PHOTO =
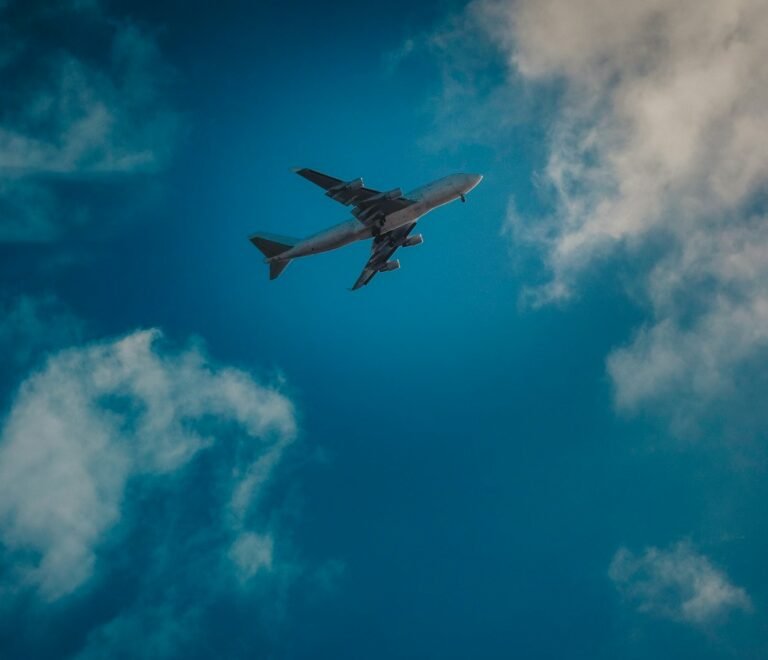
x=384, y=246
x=369, y=206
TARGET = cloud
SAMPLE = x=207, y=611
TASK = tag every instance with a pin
x=677, y=584
x=74, y=108
x=33, y=325
x=658, y=158
x=252, y=552
x=152, y=631
x=95, y=419
x=477, y=103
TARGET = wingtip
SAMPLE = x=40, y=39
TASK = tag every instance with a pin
x=296, y=170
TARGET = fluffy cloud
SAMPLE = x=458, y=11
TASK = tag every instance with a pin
x=98, y=417
x=677, y=583
x=657, y=155
x=73, y=108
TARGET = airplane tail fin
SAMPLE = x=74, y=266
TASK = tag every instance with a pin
x=271, y=246
x=277, y=267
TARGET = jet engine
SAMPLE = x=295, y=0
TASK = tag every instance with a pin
x=390, y=265
x=418, y=239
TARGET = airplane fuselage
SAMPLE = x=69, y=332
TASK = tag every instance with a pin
x=427, y=198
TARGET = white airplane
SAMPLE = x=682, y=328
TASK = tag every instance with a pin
x=387, y=217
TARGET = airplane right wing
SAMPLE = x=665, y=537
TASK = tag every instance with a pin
x=369, y=206
x=384, y=246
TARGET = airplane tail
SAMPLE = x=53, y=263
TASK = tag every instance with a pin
x=271, y=246
x=277, y=267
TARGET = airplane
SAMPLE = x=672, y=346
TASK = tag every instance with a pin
x=386, y=217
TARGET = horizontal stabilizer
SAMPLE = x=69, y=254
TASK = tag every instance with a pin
x=271, y=244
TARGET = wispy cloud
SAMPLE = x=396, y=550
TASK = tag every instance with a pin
x=657, y=156
x=677, y=583
x=31, y=326
x=68, y=114
x=476, y=102
x=98, y=416
x=252, y=553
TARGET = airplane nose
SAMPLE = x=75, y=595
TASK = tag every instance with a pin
x=473, y=180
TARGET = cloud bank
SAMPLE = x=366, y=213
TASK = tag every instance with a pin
x=657, y=157
x=81, y=98
x=677, y=584
x=97, y=418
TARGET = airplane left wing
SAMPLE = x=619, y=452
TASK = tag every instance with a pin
x=369, y=206
x=384, y=246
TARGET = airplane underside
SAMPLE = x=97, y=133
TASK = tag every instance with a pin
x=386, y=217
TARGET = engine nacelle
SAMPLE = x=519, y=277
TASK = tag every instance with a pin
x=413, y=240
x=390, y=265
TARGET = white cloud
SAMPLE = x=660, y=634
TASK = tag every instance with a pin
x=96, y=416
x=660, y=139
x=711, y=307
x=677, y=584
x=72, y=114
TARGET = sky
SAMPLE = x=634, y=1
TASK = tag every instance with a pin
x=543, y=437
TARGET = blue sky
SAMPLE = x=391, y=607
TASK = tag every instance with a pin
x=542, y=437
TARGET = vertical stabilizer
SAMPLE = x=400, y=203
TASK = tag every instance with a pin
x=277, y=267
